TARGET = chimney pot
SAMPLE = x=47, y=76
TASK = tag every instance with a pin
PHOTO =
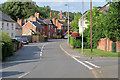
x=61, y=14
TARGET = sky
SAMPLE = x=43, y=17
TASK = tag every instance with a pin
x=74, y=5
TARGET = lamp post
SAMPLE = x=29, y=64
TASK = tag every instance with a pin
x=68, y=22
x=82, y=22
x=91, y=21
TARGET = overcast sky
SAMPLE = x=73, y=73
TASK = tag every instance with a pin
x=74, y=5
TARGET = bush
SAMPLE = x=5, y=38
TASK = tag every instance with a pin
x=7, y=48
x=78, y=43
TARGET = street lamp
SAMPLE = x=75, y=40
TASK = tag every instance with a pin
x=82, y=22
x=68, y=22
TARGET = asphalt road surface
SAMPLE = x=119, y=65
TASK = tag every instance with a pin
x=47, y=60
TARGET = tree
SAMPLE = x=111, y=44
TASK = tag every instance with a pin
x=74, y=23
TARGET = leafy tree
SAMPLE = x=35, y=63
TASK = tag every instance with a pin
x=103, y=25
x=74, y=23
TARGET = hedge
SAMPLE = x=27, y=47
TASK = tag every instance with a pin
x=75, y=42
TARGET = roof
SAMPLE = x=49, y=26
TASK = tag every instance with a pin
x=48, y=21
x=104, y=6
x=84, y=15
x=63, y=23
x=5, y=17
x=40, y=20
x=36, y=24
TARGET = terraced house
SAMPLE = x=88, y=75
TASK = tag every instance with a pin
x=36, y=24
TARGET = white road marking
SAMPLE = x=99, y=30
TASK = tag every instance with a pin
x=90, y=68
x=40, y=54
x=0, y=78
x=92, y=64
x=42, y=49
x=24, y=75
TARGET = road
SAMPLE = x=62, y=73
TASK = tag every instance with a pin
x=48, y=60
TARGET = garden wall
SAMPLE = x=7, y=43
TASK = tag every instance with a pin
x=106, y=45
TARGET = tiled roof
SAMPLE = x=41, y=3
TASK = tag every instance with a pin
x=4, y=17
x=40, y=20
x=37, y=24
x=63, y=23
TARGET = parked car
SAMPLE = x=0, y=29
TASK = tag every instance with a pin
x=66, y=36
x=25, y=40
x=20, y=40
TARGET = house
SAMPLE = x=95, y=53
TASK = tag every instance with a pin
x=36, y=24
x=105, y=7
x=7, y=25
x=61, y=24
x=31, y=27
x=18, y=30
x=84, y=22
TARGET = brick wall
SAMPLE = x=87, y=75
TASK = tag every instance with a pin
x=106, y=45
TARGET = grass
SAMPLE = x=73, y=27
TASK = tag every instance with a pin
x=98, y=52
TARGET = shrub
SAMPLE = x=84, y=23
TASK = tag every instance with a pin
x=7, y=48
x=78, y=43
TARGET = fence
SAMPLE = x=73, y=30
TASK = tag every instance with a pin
x=106, y=45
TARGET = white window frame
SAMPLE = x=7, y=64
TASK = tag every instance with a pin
x=62, y=27
x=12, y=26
x=55, y=29
x=7, y=26
x=2, y=25
x=49, y=27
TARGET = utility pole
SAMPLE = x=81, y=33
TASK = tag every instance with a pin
x=91, y=22
x=68, y=22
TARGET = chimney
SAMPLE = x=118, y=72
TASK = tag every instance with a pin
x=66, y=14
x=34, y=19
x=61, y=14
x=38, y=15
x=19, y=21
x=50, y=14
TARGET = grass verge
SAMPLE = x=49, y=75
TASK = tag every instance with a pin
x=98, y=52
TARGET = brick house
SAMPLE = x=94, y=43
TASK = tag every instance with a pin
x=31, y=27
x=61, y=24
x=37, y=24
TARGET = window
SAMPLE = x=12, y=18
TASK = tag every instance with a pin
x=41, y=30
x=62, y=27
x=2, y=26
x=55, y=29
x=49, y=27
x=12, y=27
x=12, y=35
x=49, y=34
x=52, y=27
x=7, y=26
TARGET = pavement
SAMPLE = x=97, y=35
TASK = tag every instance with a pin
x=65, y=47
x=49, y=60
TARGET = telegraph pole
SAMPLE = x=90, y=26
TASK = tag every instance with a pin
x=91, y=22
